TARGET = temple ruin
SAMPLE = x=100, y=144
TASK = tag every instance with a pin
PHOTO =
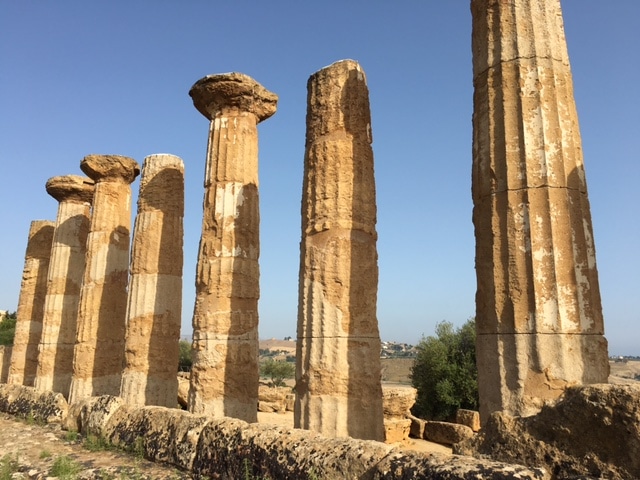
x=224, y=375
x=66, y=269
x=338, y=389
x=99, y=350
x=538, y=312
x=92, y=321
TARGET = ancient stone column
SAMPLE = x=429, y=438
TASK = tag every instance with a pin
x=66, y=269
x=33, y=290
x=98, y=357
x=338, y=373
x=538, y=310
x=155, y=289
x=224, y=375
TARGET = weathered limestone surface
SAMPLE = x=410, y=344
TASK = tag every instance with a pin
x=470, y=418
x=590, y=432
x=224, y=376
x=539, y=316
x=230, y=448
x=155, y=290
x=396, y=407
x=5, y=361
x=33, y=290
x=66, y=269
x=27, y=402
x=99, y=350
x=338, y=347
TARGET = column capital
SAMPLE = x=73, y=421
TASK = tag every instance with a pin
x=214, y=94
x=99, y=167
x=71, y=188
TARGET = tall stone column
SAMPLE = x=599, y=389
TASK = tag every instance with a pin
x=98, y=357
x=538, y=310
x=33, y=290
x=66, y=269
x=155, y=289
x=338, y=390
x=224, y=375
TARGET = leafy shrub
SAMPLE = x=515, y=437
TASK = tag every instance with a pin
x=445, y=372
x=8, y=329
x=185, y=359
x=277, y=371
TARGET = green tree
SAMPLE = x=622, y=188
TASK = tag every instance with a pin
x=445, y=372
x=184, y=358
x=8, y=329
x=277, y=371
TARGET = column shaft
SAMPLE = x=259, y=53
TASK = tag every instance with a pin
x=33, y=290
x=99, y=351
x=224, y=375
x=539, y=315
x=66, y=269
x=155, y=291
x=338, y=390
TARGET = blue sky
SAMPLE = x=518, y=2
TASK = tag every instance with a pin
x=113, y=77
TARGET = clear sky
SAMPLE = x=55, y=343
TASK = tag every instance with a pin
x=80, y=77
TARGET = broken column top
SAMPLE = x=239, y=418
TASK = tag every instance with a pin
x=71, y=188
x=110, y=166
x=216, y=93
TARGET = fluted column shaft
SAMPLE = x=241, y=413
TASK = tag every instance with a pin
x=224, y=375
x=33, y=290
x=338, y=390
x=98, y=356
x=539, y=315
x=155, y=292
x=66, y=269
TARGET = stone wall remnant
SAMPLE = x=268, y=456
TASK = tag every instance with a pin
x=99, y=350
x=33, y=291
x=224, y=375
x=338, y=373
x=155, y=288
x=538, y=310
x=66, y=269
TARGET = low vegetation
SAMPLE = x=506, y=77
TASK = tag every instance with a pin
x=277, y=371
x=445, y=372
x=65, y=468
x=8, y=328
x=185, y=359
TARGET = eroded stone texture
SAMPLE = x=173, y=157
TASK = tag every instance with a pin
x=338, y=349
x=66, y=269
x=224, y=375
x=155, y=290
x=591, y=431
x=33, y=290
x=539, y=316
x=99, y=351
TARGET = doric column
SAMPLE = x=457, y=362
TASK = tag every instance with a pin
x=98, y=356
x=66, y=269
x=33, y=290
x=338, y=389
x=224, y=375
x=538, y=311
x=155, y=288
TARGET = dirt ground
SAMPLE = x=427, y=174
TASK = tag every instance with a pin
x=30, y=451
